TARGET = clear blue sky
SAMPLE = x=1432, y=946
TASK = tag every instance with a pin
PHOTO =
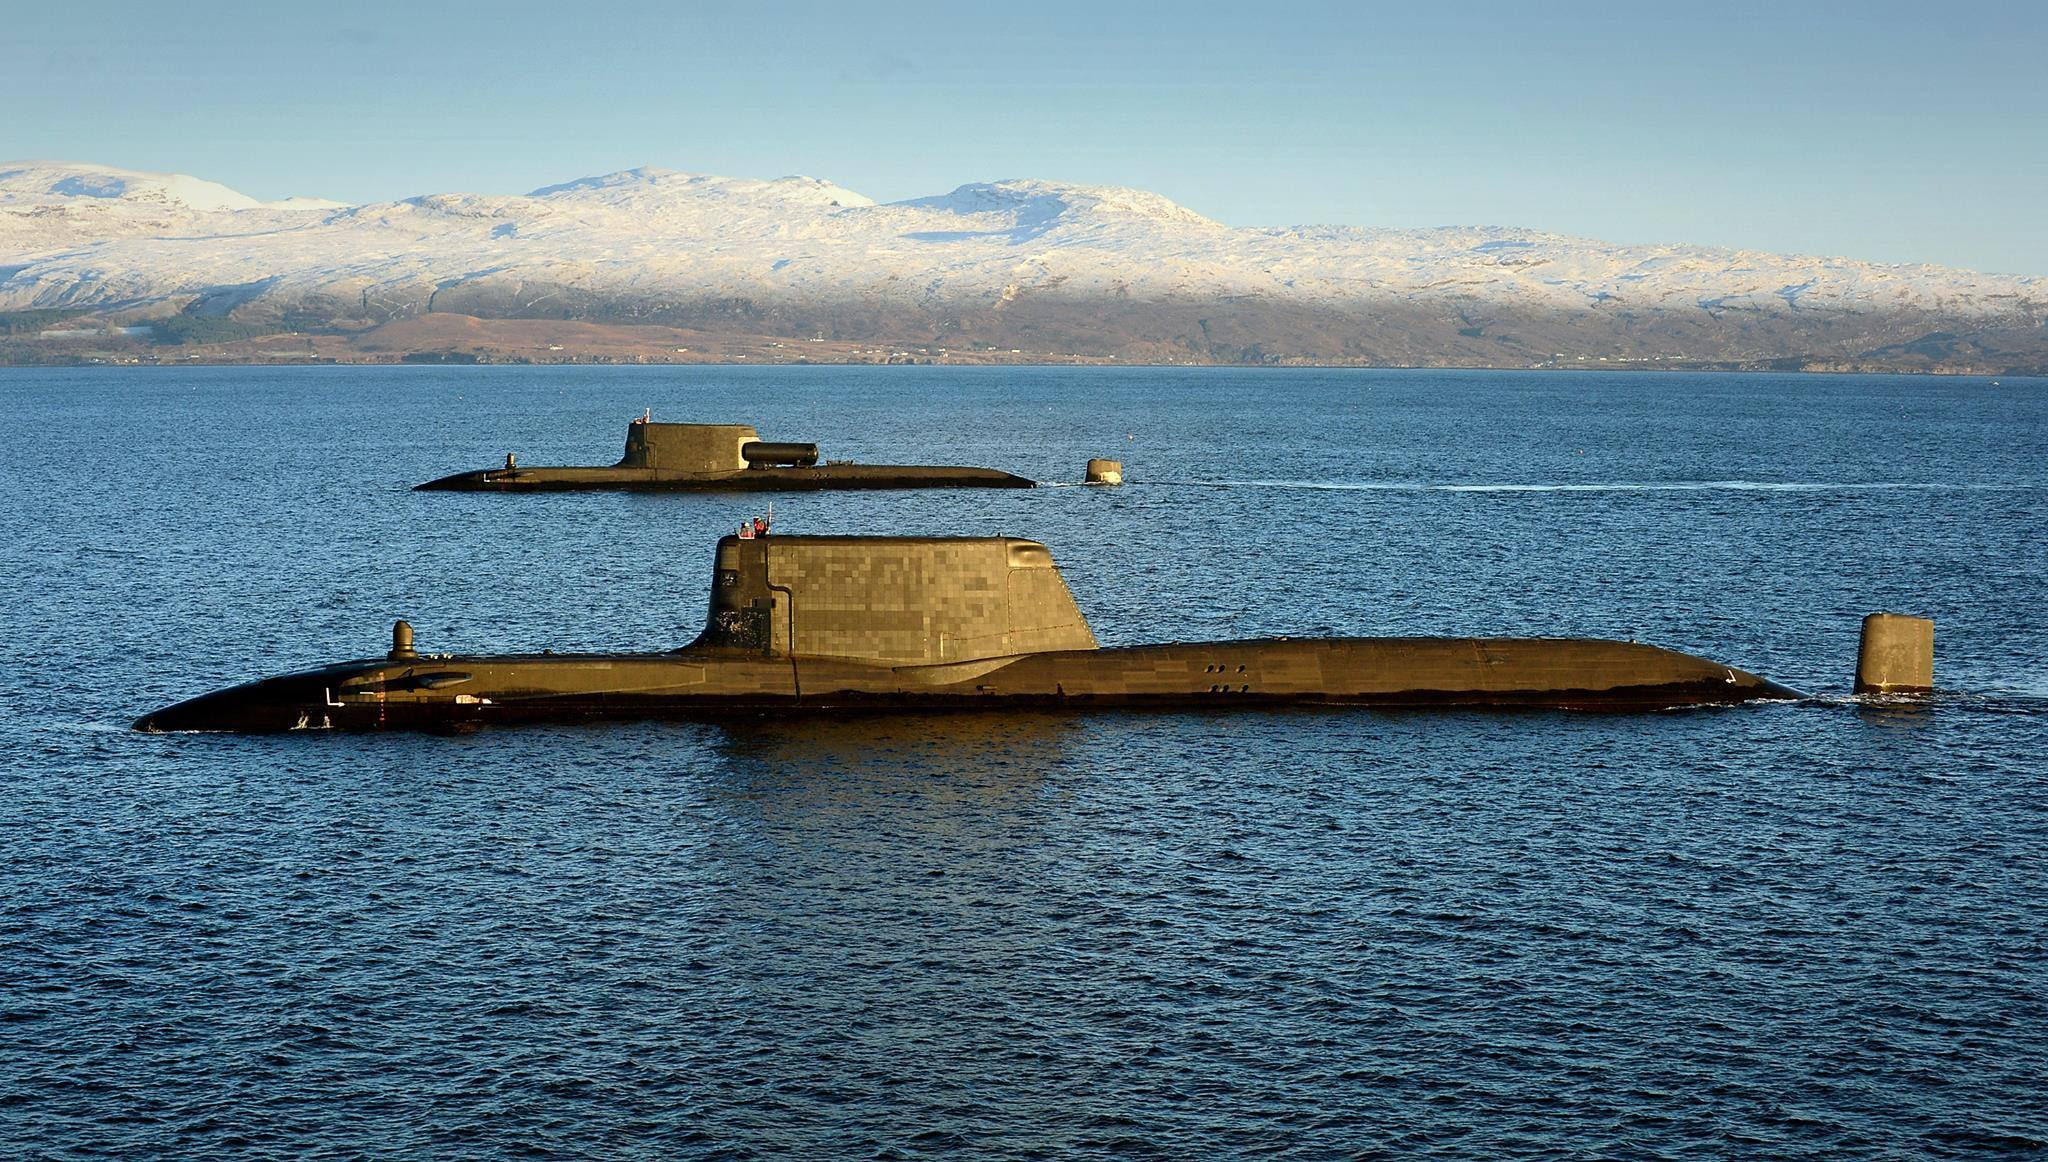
x=1875, y=129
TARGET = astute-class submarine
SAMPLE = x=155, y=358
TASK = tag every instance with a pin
x=822, y=624
x=718, y=458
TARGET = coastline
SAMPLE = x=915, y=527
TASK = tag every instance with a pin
x=450, y=339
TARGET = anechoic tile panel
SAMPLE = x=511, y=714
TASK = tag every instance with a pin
x=917, y=601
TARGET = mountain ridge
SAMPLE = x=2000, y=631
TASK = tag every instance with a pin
x=1020, y=263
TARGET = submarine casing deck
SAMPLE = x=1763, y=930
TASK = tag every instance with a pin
x=825, y=477
x=1390, y=673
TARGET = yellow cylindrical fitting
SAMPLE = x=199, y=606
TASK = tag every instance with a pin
x=1897, y=655
x=1105, y=472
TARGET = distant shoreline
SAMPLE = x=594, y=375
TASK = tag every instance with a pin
x=435, y=360
x=442, y=339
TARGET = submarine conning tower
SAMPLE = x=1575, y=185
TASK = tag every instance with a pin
x=708, y=448
x=891, y=600
x=687, y=447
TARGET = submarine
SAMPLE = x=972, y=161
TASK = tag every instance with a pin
x=664, y=457
x=838, y=624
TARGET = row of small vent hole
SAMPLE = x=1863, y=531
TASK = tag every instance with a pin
x=1224, y=689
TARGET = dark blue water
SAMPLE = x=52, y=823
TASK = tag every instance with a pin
x=1798, y=929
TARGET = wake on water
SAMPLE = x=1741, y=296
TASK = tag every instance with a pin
x=1616, y=486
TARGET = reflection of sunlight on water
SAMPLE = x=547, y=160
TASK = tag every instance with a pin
x=890, y=840
x=1896, y=713
x=907, y=765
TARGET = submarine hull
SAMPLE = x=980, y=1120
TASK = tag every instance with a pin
x=718, y=458
x=827, y=477
x=836, y=625
x=454, y=691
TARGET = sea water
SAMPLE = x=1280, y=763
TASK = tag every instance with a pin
x=1812, y=928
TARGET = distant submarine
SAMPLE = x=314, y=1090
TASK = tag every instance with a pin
x=717, y=458
x=828, y=624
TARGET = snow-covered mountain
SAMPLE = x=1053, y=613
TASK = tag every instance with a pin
x=1121, y=268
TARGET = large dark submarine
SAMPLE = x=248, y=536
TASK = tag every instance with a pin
x=808, y=624
x=718, y=458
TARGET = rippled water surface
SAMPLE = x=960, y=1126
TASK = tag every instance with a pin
x=1788, y=929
